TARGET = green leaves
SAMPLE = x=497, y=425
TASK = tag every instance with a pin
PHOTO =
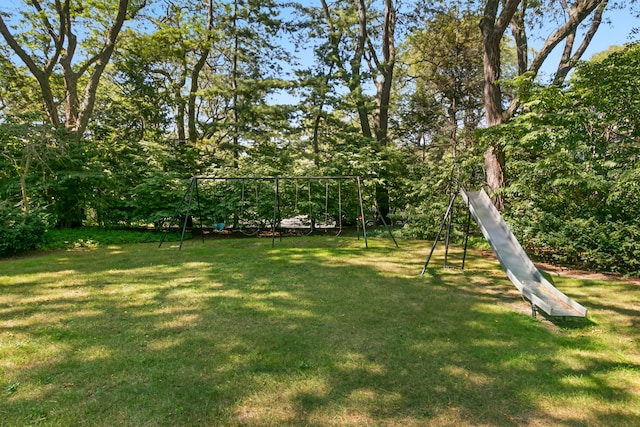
x=574, y=165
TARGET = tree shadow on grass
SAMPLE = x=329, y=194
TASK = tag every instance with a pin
x=292, y=336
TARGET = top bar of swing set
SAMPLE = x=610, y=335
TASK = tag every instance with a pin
x=273, y=178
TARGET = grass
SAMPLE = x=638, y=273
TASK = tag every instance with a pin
x=316, y=331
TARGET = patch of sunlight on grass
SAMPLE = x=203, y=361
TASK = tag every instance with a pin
x=386, y=265
x=94, y=353
x=270, y=408
x=349, y=416
x=523, y=362
x=372, y=399
x=40, y=312
x=295, y=398
x=269, y=305
x=466, y=376
x=179, y=321
x=54, y=278
x=578, y=382
x=353, y=362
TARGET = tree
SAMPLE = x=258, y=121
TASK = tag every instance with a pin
x=51, y=43
x=576, y=191
x=66, y=47
x=171, y=58
x=498, y=16
x=352, y=42
x=444, y=57
x=359, y=52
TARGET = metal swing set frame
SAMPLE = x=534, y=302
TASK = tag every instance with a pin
x=275, y=224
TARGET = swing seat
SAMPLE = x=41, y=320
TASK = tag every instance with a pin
x=328, y=224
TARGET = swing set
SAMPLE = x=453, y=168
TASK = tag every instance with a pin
x=270, y=205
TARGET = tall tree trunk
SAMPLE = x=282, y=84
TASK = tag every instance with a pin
x=355, y=84
x=493, y=27
x=520, y=37
x=180, y=113
x=383, y=96
x=386, y=68
x=195, y=75
x=234, y=87
x=352, y=77
x=376, y=127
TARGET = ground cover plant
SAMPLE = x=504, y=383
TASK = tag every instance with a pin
x=315, y=331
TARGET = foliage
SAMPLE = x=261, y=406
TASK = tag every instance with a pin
x=429, y=187
x=574, y=164
x=45, y=169
x=156, y=198
x=199, y=88
x=94, y=237
x=444, y=66
x=19, y=232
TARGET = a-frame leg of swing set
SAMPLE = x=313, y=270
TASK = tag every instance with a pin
x=193, y=187
x=362, y=219
x=387, y=226
x=446, y=221
x=188, y=192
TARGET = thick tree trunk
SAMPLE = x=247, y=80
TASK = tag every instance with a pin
x=494, y=156
x=386, y=69
x=494, y=161
x=180, y=113
x=374, y=123
x=520, y=38
x=384, y=86
x=195, y=75
x=355, y=84
x=192, y=116
x=493, y=27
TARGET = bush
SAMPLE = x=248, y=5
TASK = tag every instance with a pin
x=602, y=245
x=20, y=233
x=91, y=237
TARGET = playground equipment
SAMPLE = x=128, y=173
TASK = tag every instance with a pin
x=514, y=261
x=259, y=204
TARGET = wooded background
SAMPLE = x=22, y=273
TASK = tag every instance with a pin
x=108, y=108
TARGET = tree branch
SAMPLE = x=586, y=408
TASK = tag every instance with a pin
x=101, y=60
x=577, y=14
x=569, y=61
x=42, y=76
x=520, y=36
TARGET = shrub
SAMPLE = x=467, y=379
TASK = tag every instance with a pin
x=19, y=232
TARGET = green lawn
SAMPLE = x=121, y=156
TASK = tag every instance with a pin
x=316, y=331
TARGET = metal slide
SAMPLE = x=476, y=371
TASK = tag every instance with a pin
x=515, y=262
